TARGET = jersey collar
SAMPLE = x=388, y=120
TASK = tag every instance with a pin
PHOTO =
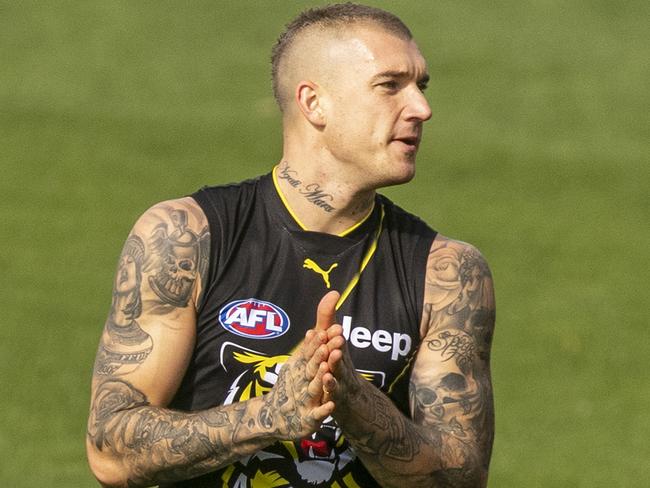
x=280, y=209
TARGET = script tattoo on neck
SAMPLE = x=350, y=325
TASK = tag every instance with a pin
x=290, y=175
x=311, y=191
x=318, y=197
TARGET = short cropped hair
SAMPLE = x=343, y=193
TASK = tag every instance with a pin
x=330, y=16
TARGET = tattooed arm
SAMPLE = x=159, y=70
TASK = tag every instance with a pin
x=133, y=440
x=448, y=439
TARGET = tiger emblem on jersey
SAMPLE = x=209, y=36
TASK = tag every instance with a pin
x=320, y=460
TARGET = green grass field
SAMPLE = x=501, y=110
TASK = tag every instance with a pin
x=537, y=153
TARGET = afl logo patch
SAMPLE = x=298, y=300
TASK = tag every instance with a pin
x=254, y=319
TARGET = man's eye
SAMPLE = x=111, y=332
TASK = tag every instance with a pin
x=390, y=85
x=422, y=86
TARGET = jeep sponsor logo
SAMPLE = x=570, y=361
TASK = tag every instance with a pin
x=254, y=319
x=381, y=340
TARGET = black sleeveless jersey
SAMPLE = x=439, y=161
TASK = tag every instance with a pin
x=266, y=277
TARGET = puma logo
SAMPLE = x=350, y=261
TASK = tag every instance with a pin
x=311, y=264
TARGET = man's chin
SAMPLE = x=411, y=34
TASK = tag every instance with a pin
x=404, y=171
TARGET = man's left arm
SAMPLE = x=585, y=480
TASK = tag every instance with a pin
x=447, y=441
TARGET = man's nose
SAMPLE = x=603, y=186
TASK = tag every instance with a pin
x=418, y=107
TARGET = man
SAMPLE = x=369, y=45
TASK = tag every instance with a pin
x=211, y=372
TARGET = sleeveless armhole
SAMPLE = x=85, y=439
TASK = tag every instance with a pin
x=416, y=238
x=207, y=205
x=419, y=266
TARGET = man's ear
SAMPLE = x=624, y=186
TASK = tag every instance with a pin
x=309, y=101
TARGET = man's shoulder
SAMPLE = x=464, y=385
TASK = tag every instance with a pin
x=445, y=242
x=228, y=188
x=227, y=201
x=181, y=211
x=456, y=259
x=404, y=221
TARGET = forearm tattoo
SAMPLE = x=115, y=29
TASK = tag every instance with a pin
x=158, y=445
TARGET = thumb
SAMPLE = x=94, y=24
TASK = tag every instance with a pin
x=326, y=312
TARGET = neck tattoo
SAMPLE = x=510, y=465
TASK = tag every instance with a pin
x=311, y=191
x=288, y=174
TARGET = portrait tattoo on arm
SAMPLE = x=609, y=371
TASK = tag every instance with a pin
x=170, y=263
x=124, y=345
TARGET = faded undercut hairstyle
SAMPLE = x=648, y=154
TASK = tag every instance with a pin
x=335, y=16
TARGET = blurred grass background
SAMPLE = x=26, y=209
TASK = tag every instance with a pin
x=537, y=153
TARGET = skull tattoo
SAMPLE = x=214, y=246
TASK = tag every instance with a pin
x=178, y=257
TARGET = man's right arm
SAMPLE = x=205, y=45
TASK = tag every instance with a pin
x=133, y=439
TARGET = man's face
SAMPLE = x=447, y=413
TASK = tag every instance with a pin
x=374, y=105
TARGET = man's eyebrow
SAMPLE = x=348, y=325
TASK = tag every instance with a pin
x=391, y=74
x=400, y=74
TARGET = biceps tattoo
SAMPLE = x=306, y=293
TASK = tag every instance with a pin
x=458, y=284
x=177, y=257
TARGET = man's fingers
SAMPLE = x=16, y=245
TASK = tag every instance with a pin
x=334, y=331
x=319, y=357
x=323, y=411
x=313, y=340
x=336, y=343
x=315, y=387
x=329, y=387
x=326, y=312
x=334, y=360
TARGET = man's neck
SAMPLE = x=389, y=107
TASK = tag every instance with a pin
x=319, y=201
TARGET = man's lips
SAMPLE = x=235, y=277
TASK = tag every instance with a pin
x=413, y=141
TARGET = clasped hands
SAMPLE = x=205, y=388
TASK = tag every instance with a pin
x=317, y=376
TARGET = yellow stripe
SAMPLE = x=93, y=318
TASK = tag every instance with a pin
x=364, y=263
x=349, y=481
x=290, y=446
x=284, y=200
x=401, y=373
x=227, y=474
x=346, y=232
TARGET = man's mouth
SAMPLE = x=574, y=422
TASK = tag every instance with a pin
x=411, y=142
